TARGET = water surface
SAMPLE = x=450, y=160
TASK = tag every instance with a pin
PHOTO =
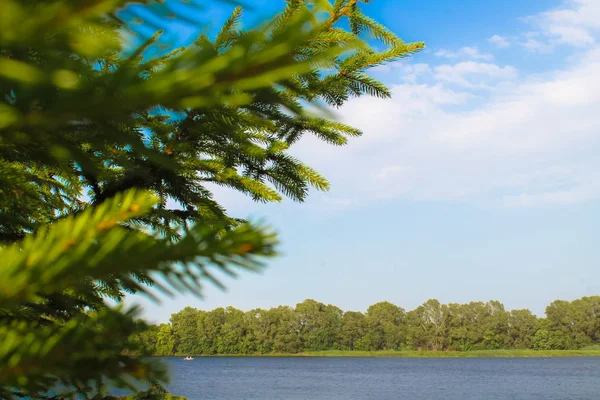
x=349, y=378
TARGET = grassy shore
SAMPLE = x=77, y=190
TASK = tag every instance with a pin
x=431, y=354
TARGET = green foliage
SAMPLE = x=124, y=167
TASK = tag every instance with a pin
x=185, y=324
x=595, y=348
x=165, y=340
x=577, y=321
x=45, y=291
x=386, y=326
x=103, y=122
x=313, y=327
x=353, y=331
x=144, y=340
x=319, y=325
x=107, y=151
x=522, y=327
x=509, y=353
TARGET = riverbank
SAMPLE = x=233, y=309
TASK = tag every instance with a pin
x=426, y=354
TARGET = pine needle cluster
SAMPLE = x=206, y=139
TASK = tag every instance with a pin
x=107, y=155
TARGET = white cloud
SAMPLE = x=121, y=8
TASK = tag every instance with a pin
x=419, y=68
x=525, y=142
x=409, y=72
x=536, y=46
x=576, y=23
x=474, y=74
x=471, y=74
x=572, y=35
x=413, y=72
x=531, y=143
x=499, y=41
x=464, y=52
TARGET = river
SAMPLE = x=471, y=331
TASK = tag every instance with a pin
x=350, y=378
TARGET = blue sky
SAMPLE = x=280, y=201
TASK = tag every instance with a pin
x=478, y=180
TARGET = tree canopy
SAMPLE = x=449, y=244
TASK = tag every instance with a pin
x=314, y=326
x=106, y=154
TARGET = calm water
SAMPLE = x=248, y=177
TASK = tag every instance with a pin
x=386, y=378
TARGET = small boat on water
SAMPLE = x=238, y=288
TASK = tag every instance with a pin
x=188, y=358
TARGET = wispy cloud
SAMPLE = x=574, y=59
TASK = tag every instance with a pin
x=534, y=43
x=525, y=142
x=474, y=74
x=576, y=23
x=467, y=52
x=499, y=41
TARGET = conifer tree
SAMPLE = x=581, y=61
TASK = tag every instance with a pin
x=105, y=157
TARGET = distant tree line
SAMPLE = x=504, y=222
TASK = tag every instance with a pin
x=314, y=326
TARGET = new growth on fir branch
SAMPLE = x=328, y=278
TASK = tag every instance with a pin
x=107, y=154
